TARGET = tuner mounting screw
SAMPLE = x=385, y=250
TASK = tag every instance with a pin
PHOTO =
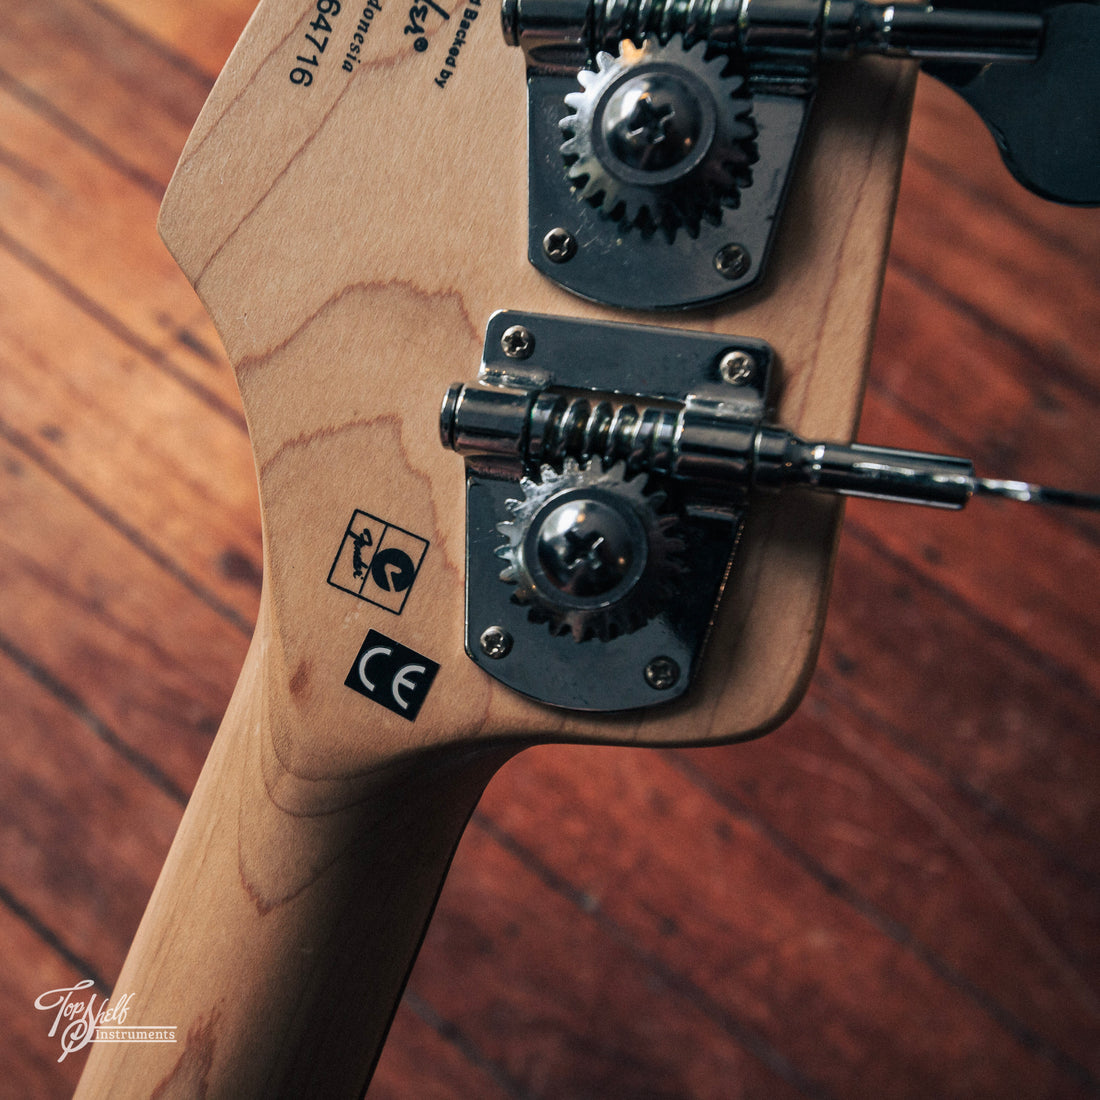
x=591, y=552
x=732, y=261
x=736, y=367
x=658, y=138
x=559, y=245
x=662, y=673
x=517, y=342
x=496, y=643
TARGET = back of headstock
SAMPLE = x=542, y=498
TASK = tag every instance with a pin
x=352, y=237
x=352, y=233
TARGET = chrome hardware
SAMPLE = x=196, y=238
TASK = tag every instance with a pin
x=661, y=133
x=603, y=570
x=602, y=517
x=495, y=643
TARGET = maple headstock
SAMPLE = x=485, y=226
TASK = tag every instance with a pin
x=351, y=233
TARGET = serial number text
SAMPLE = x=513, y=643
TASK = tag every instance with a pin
x=317, y=38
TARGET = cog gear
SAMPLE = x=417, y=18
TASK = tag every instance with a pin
x=590, y=552
x=658, y=138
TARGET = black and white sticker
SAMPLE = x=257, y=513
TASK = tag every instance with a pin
x=392, y=674
x=377, y=561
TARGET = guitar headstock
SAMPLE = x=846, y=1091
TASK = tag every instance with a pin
x=352, y=233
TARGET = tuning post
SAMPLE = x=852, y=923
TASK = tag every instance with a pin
x=608, y=517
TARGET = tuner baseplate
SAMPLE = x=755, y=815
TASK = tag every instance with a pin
x=592, y=574
x=662, y=137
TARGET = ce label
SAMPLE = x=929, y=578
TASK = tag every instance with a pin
x=402, y=679
x=391, y=674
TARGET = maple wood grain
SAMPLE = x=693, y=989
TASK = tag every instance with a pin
x=897, y=893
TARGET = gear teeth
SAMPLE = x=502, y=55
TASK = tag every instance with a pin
x=651, y=592
x=706, y=189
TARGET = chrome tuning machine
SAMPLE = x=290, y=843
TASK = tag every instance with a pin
x=602, y=517
x=661, y=135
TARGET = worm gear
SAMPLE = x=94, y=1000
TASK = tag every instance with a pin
x=659, y=138
x=591, y=553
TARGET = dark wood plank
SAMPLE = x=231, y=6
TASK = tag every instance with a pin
x=97, y=79
x=433, y=1060
x=79, y=222
x=201, y=33
x=568, y=1002
x=32, y=1060
x=1016, y=240
x=70, y=391
x=58, y=766
x=758, y=929
x=898, y=894
x=80, y=600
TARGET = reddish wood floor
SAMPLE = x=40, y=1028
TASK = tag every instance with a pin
x=898, y=894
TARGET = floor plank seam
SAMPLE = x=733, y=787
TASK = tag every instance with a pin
x=120, y=330
x=981, y=801
x=1073, y=375
x=753, y=1043
x=131, y=534
x=152, y=42
x=60, y=121
x=52, y=940
x=80, y=710
x=451, y=1033
x=895, y=930
x=984, y=197
x=1042, y=662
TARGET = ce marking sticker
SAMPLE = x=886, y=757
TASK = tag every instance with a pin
x=391, y=674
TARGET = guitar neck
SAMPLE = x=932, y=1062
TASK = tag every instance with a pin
x=285, y=921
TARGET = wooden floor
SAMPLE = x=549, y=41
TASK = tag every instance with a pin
x=896, y=895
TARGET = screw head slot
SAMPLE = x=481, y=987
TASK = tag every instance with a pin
x=587, y=549
x=517, y=342
x=559, y=245
x=732, y=261
x=736, y=367
x=655, y=121
x=496, y=643
x=662, y=673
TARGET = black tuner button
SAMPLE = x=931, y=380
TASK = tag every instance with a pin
x=1045, y=114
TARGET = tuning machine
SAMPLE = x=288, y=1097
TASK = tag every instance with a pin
x=661, y=136
x=602, y=519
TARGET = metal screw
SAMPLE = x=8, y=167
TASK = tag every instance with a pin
x=653, y=121
x=732, y=261
x=559, y=245
x=587, y=548
x=661, y=673
x=517, y=342
x=736, y=367
x=496, y=643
